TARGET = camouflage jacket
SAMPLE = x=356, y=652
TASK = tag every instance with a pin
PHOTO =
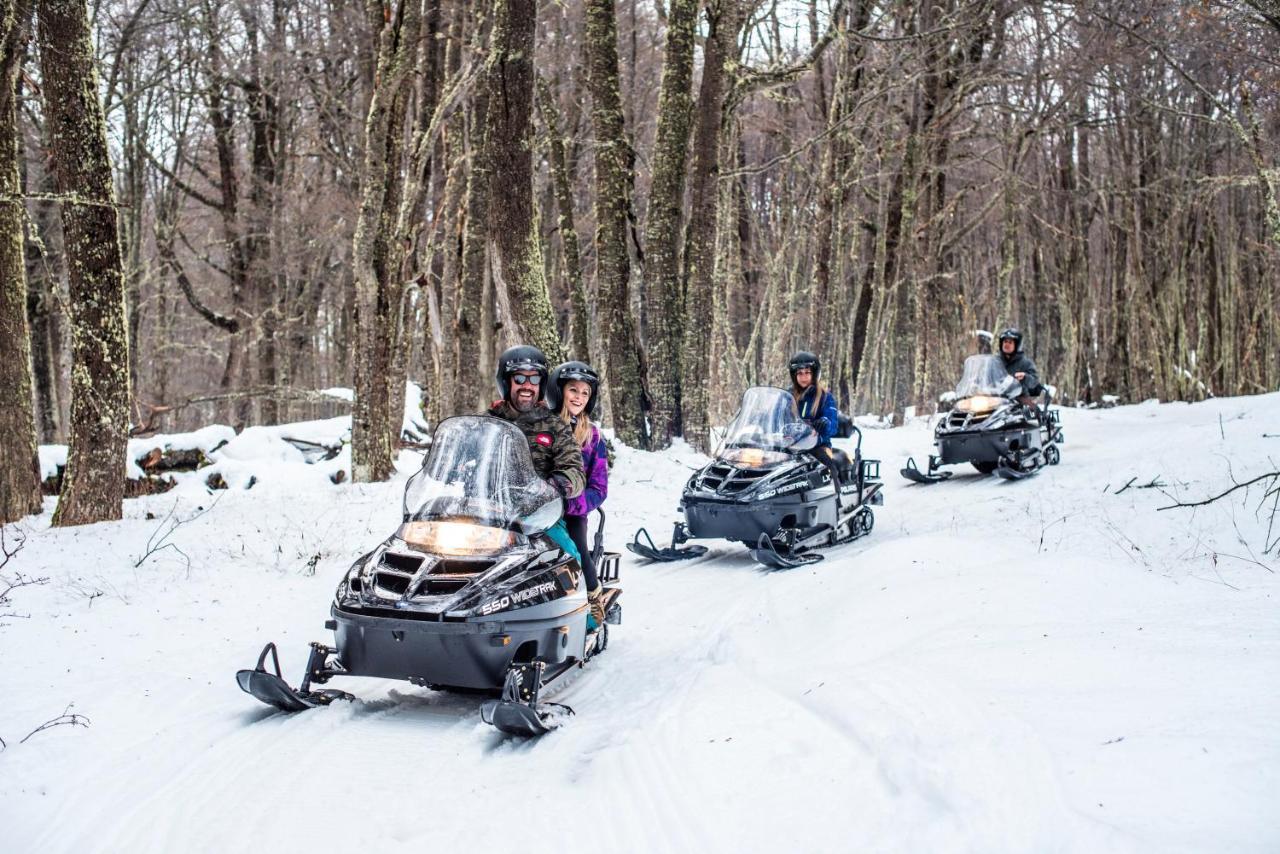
x=551, y=443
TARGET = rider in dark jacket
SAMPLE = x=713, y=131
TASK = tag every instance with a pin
x=1018, y=363
x=557, y=458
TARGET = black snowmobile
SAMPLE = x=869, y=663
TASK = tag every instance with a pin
x=765, y=492
x=468, y=594
x=989, y=426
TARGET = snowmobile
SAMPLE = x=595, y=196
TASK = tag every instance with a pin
x=468, y=594
x=994, y=426
x=764, y=491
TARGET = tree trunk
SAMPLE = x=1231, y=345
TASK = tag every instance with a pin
x=613, y=178
x=19, y=466
x=580, y=323
x=444, y=285
x=664, y=290
x=722, y=22
x=222, y=123
x=93, y=487
x=373, y=423
x=470, y=315
x=442, y=301
x=44, y=316
x=513, y=228
x=264, y=114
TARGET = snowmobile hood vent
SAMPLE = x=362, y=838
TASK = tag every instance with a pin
x=401, y=562
x=728, y=480
x=961, y=420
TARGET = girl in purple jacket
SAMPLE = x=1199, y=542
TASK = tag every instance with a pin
x=572, y=393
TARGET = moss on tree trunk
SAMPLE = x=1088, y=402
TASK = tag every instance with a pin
x=624, y=374
x=580, y=343
x=375, y=422
x=664, y=289
x=517, y=257
x=19, y=467
x=94, y=485
x=700, y=246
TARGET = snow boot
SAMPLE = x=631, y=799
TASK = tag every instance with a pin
x=595, y=599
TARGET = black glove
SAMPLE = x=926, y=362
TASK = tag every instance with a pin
x=561, y=484
x=821, y=424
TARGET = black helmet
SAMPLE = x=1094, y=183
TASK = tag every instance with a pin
x=804, y=359
x=567, y=372
x=523, y=357
x=1013, y=333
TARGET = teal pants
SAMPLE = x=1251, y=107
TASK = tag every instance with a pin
x=559, y=534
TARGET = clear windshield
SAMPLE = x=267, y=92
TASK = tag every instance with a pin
x=767, y=421
x=479, y=471
x=986, y=375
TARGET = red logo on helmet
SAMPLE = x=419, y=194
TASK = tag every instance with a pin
x=543, y=439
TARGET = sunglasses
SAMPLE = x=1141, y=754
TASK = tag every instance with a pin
x=521, y=379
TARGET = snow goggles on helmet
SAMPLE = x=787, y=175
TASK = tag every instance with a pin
x=581, y=376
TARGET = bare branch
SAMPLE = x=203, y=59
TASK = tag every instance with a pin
x=67, y=718
x=1210, y=500
x=752, y=80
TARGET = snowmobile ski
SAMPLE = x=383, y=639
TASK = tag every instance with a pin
x=1009, y=472
x=766, y=552
x=912, y=472
x=518, y=712
x=271, y=689
x=1020, y=466
x=650, y=550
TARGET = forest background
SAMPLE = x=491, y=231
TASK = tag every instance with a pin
x=215, y=210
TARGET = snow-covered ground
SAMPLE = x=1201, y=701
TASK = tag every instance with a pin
x=1048, y=665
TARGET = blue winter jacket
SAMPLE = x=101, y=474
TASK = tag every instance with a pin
x=811, y=411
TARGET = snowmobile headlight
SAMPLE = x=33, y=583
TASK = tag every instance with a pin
x=978, y=403
x=455, y=538
x=753, y=457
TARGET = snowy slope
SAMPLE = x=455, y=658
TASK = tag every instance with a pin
x=1049, y=665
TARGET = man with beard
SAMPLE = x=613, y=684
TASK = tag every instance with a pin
x=557, y=458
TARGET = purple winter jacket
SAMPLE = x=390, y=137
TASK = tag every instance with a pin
x=595, y=461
